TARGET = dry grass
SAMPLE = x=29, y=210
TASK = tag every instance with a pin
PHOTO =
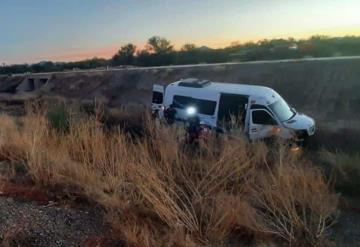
x=157, y=192
x=343, y=169
x=294, y=203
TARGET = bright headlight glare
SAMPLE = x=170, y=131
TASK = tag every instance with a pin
x=191, y=110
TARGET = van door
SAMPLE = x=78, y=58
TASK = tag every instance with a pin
x=232, y=106
x=262, y=124
x=206, y=108
x=207, y=111
x=157, y=98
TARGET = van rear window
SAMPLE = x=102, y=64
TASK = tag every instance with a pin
x=206, y=107
x=157, y=98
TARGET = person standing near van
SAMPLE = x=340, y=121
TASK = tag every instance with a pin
x=170, y=114
x=193, y=130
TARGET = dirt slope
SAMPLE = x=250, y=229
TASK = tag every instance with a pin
x=328, y=90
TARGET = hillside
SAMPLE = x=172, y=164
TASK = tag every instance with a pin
x=327, y=89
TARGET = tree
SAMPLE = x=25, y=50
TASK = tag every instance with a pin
x=143, y=58
x=159, y=45
x=188, y=47
x=159, y=51
x=125, y=56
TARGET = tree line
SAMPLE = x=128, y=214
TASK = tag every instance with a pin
x=159, y=52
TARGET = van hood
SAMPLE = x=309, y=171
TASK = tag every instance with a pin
x=301, y=122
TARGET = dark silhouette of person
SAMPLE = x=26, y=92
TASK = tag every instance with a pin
x=193, y=129
x=170, y=114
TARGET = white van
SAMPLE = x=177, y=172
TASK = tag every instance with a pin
x=263, y=112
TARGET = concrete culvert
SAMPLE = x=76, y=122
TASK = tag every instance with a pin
x=31, y=84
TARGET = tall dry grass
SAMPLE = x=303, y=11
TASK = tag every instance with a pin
x=343, y=169
x=294, y=202
x=159, y=192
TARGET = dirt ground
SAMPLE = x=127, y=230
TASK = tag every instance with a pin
x=346, y=231
x=26, y=223
x=32, y=217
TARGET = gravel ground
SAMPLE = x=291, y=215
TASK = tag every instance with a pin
x=31, y=224
x=346, y=231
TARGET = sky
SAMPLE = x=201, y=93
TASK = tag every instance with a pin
x=68, y=30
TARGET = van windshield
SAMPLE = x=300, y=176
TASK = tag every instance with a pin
x=282, y=110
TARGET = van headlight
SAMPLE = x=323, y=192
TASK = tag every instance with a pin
x=311, y=130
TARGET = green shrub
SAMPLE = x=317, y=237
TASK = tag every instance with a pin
x=58, y=117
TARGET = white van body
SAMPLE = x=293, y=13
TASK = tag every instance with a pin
x=263, y=112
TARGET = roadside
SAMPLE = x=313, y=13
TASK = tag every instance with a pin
x=30, y=224
x=346, y=231
x=32, y=217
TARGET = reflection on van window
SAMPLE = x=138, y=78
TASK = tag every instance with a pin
x=282, y=110
x=206, y=107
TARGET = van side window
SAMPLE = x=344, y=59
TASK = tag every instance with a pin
x=232, y=105
x=206, y=107
x=262, y=117
x=157, y=97
x=182, y=102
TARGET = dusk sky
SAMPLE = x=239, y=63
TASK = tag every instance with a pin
x=64, y=30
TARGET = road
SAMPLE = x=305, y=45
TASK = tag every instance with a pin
x=198, y=65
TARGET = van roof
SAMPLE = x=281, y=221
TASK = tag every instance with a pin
x=231, y=88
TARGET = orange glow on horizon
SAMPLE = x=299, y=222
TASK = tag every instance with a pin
x=104, y=52
x=109, y=51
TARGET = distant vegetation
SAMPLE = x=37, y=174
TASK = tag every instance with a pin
x=159, y=51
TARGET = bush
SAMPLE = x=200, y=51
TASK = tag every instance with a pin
x=343, y=169
x=294, y=202
x=59, y=117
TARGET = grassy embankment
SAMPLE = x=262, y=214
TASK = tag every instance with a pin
x=157, y=193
